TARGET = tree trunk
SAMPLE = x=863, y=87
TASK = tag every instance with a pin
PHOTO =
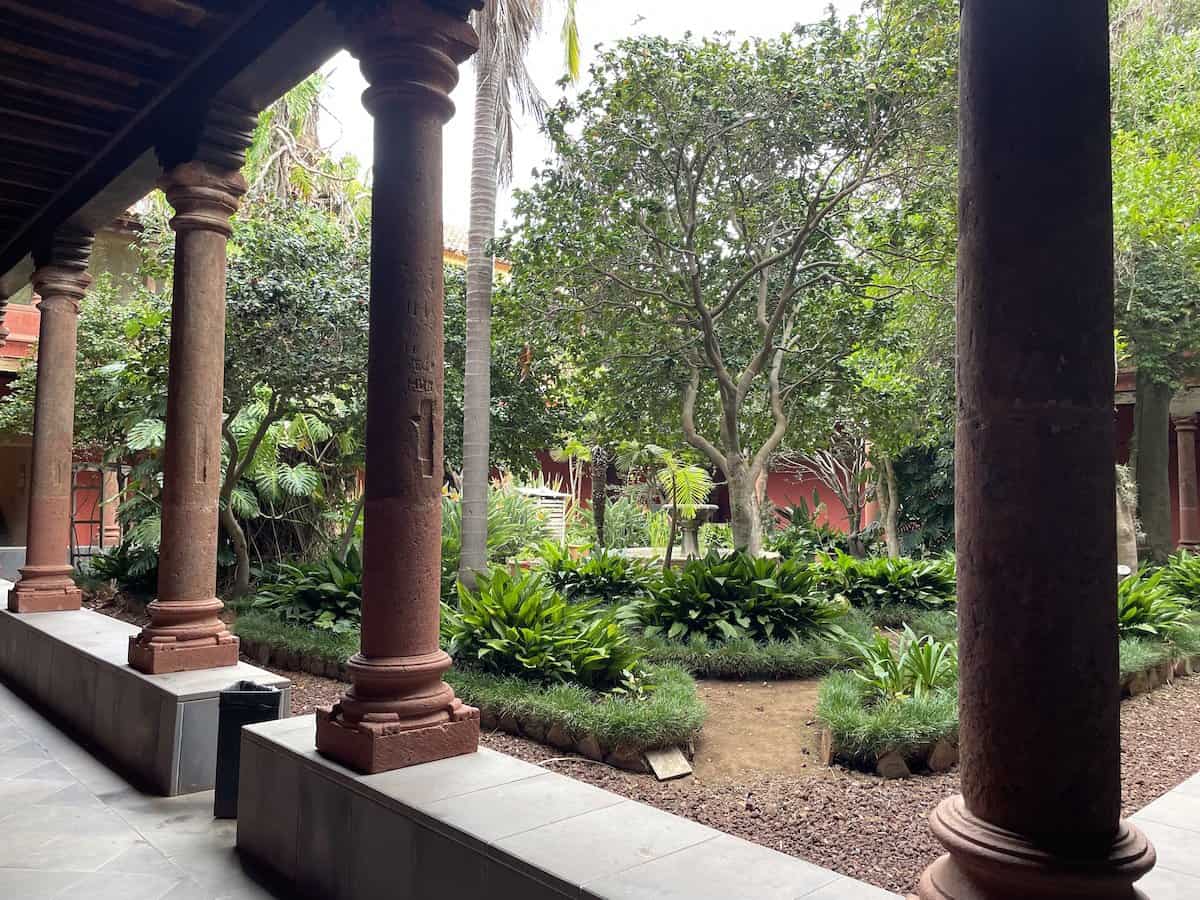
x=599, y=490
x=1154, y=465
x=241, y=550
x=477, y=388
x=348, y=534
x=889, y=502
x=744, y=516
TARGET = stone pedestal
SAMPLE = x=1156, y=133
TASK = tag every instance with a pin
x=185, y=630
x=1189, y=496
x=1039, y=815
x=399, y=711
x=61, y=279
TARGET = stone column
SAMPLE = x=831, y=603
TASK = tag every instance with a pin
x=1189, y=496
x=1039, y=814
x=61, y=279
x=185, y=630
x=110, y=496
x=399, y=711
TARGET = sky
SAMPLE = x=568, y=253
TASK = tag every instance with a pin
x=346, y=126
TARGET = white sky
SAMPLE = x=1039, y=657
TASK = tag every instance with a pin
x=346, y=126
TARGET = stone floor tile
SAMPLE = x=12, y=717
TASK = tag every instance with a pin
x=842, y=888
x=585, y=848
x=48, y=771
x=73, y=795
x=25, y=748
x=65, y=819
x=70, y=852
x=1173, y=808
x=716, y=869
x=121, y=886
x=144, y=859
x=1165, y=884
x=30, y=884
x=15, y=766
x=1178, y=849
x=16, y=796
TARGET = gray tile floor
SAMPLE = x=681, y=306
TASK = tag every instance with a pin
x=71, y=827
x=1172, y=822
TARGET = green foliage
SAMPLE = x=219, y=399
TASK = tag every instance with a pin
x=326, y=594
x=131, y=566
x=862, y=728
x=716, y=536
x=925, y=478
x=517, y=625
x=876, y=582
x=914, y=669
x=803, y=537
x=668, y=716
x=268, y=628
x=602, y=576
x=1181, y=576
x=625, y=524
x=514, y=523
x=1147, y=607
x=736, y=596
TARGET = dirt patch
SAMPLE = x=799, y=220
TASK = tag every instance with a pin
x=759, y=727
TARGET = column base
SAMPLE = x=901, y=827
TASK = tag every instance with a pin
x=45, y=590
x=158, y=657
x=371, y=747
x=990, y=863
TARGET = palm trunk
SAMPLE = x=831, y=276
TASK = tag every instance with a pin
x=889, y=500
x=1153, y=464
x=477, y=388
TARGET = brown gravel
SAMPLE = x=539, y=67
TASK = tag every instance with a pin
x=858, y=825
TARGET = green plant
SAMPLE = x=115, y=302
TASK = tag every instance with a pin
x=625, y=525
x=913, y=669
x=603, y=576
x=1147, y=606
x=1181, y=576
x=877, y=582
x=658, y=528
x=716, y=536
x=517, y=625
x=862, y=727
x=737, y=596
x=326, y=594
x=132, y=566
x=803, y=537
x=514, y=522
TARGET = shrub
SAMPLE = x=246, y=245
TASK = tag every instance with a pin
x=1146, y=606
x=1181, y=576
x=514, y=522
x=716, y=536
x=606, y=577
x=877, y=582
x=517, y=625
x=724, y=598
x=130, y=565
x=625, y=525
x=803, y=537
x=915, y=669
x=862, y=728
x=326, y=594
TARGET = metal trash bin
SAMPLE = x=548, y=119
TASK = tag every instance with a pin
x=244, y=703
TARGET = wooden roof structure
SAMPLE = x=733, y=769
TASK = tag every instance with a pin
x=87, y=90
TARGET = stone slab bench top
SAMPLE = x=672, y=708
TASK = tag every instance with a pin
x=107, y=639
x=527, y=823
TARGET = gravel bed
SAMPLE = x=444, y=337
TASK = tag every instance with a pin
x=858, y=825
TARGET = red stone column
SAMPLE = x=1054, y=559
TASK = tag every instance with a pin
x=110, y=494
x=399, y=711
x=1039, y=814
x=1189, y=496
x=61, y=279
x=185, y=630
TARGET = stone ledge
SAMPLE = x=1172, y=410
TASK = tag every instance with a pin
x=161, y=730
x=490, y=825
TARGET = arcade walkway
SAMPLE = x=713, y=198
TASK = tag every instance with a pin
x=70, y=827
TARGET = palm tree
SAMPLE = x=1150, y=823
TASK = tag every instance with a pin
x=506, y=28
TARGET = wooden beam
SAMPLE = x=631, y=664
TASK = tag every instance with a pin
x=67, y=44
x=36, y=80
x=110, y=24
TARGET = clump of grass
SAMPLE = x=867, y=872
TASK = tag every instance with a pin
x=670, y=715
x=744, y=658
x=270, y=629
x=862, y=730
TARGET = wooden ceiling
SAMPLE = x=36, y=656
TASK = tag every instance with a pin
x=83, y=82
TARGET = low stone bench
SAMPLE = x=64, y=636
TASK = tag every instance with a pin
x=161, y=730
x=489, y=825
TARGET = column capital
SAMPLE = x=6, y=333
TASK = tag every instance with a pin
x=409, y=50
x=1185, y=423
x=218, y=134
x=204, y=196
x=61, y=277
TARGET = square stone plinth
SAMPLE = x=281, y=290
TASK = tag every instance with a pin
x=160, y=659
x=160, y=730
x=27, y=598
x=488, y=825
x=372, y=748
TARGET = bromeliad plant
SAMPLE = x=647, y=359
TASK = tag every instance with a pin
x=1147, y=607
x=517, y=625
x=602, y=576
x=738, y=596
x=877, y=582
x=918, y=666
x=326, y=594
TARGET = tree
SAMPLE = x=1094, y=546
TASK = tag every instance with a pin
x=688, y=236
x=505, y=29
x=1156, y=166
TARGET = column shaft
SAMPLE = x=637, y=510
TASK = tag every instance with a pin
x=185, y=631
x=1189, y=496
x=61, y=279
x=399, y=711
x=1036, y=536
